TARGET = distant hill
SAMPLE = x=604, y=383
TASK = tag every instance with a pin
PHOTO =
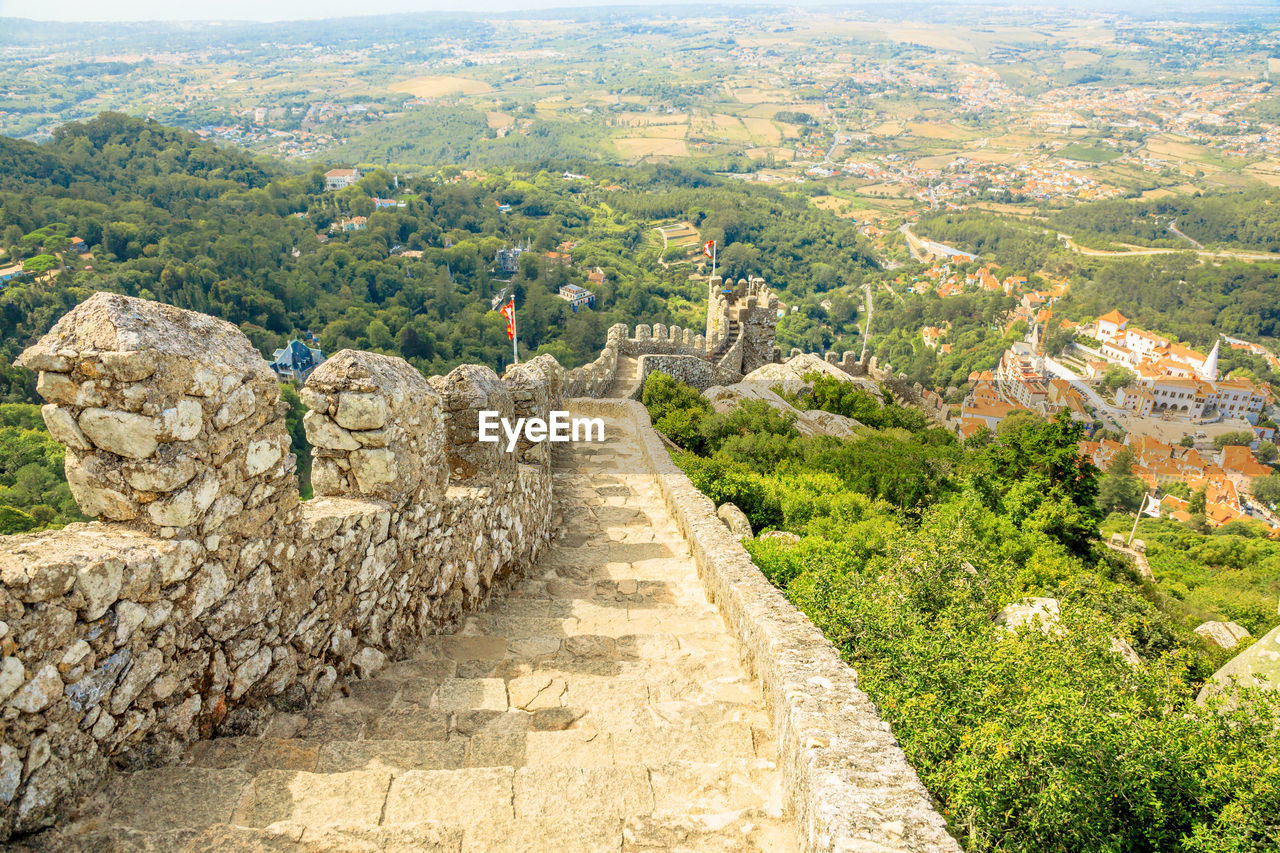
x=167, y=215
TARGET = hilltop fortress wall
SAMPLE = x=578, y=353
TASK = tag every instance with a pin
x=206, y=592
x=206, y=586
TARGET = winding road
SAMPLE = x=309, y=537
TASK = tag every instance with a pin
x=1139, y=251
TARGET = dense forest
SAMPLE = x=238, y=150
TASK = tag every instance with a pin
x=1021, y=247
x=461, y=135
x=1079, y=735
x=975, y=323
x=167, y=216
x=1248, y=221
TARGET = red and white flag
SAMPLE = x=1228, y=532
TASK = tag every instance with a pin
x=709, y=248
x=509, y=311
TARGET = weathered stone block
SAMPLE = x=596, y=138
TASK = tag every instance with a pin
x=361, y=411
x=121, y=433
x=63, y=427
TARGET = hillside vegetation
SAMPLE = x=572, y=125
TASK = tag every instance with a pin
x=1246, y=221
x=167, y=216
x=1042, y=738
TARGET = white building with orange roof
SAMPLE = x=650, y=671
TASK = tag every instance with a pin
x=1020, y=377
x=1240, y=398
x=1111, y=324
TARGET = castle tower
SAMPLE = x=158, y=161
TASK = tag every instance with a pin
x=1209, y=370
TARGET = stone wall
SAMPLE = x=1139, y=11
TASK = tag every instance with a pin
x=659, y=339
x=689, y=369
x=848, y=780
x=594, y=378
x=206, y=588
x=742, y=322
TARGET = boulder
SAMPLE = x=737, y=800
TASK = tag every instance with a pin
x=785, y=537
x=736, y=520
x=726, y=398
x=1224, y=635
x=1043, y=612
x=1257, y=666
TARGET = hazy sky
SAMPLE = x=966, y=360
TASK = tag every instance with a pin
x=256, y=10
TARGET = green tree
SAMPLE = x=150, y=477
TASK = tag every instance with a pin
x=1266, y=489
x=1119, y=490
x=1196, y=506
x=1118, y=376
x=1240, y=438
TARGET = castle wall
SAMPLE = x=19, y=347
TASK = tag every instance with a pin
x=206, y=586
x=847, y=779
x=690, y=369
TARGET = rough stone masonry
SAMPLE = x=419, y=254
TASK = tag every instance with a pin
x=206, y=586
x=206, y=592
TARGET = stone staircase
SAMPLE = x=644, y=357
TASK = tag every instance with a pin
x=626, y=381
x=599, y=705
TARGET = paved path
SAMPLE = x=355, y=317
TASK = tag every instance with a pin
x=626, y=380
x=1132, y=251
x=598, y=706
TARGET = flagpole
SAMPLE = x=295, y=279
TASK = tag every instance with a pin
x=515, y=353
x=1141, y=510
x=714, y=248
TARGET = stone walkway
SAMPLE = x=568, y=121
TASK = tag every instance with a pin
x=597, y=706
x=626, y=379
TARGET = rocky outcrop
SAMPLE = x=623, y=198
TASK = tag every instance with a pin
x=1043, y=613
x=1224, y=635
x=790, y=374
x=735, y=519
x=768, y=383
x=206, y=587
x=1256, y=667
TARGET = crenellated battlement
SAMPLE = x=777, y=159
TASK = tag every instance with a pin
x=742, y=323
x=205, y=586
x=206, y=596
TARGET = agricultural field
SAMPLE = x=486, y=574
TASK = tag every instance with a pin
x=954, y=112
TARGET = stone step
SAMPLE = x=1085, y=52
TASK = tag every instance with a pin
x=599, y=704
x=193, y=808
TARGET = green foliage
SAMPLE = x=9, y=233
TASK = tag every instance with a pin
x=832, y=394
x=1031, y=740
x=1248, y=220
x=1118, y=376
x=676, y=409
x=1266, y=489
x=1241, y=438
x=33, y=492
x=794, y=117
x=976, y=321
x=1228, y=574
x=298, y=444
x=173, y=218
x=1010, y=243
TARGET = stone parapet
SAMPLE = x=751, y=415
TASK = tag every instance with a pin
x=593, y=379
x=664, y=340
x=206, y=587
x=847, y=779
